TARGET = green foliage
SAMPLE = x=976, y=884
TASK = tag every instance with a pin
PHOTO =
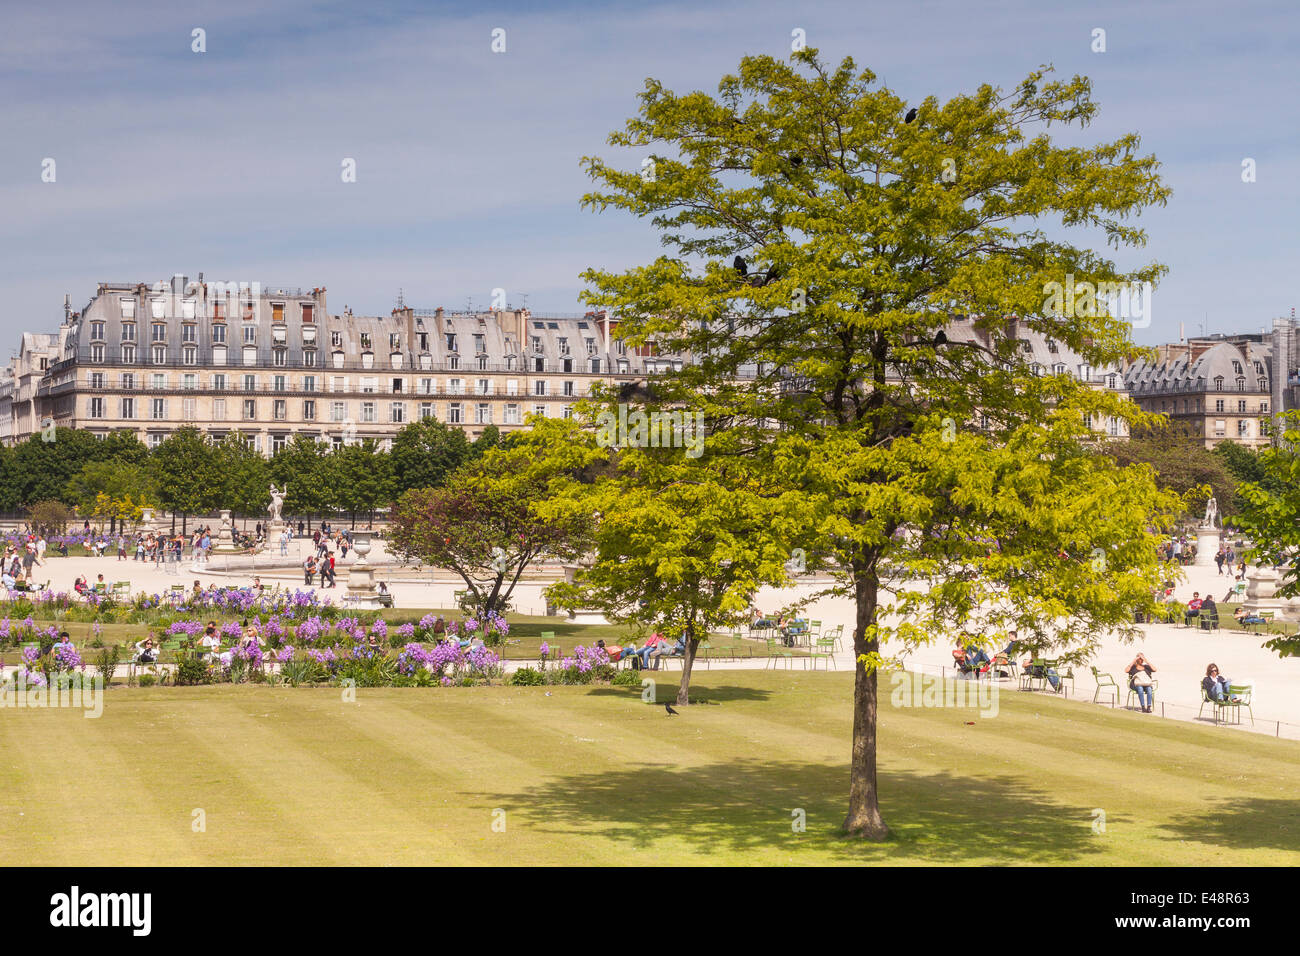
x=193, y=670
x=50, y=514
x=245, y=476
x=526, y=677
x=188, y=472
x=626, y=678
x=1182, y=465
x=106, y=660
x=303, y=467
x=426, y=452
x=362, y=477
x=484, y=524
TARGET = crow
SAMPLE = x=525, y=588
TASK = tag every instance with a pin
x=638, y=391
x=669, y=708
x=739, y=264
x=796, y=159
x=940, y=338
x=911, y=115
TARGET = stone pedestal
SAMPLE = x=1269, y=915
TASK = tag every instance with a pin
x=361, y=577
x=225, y=542
x=273, y=532
x=1207, y=546
x=1261, y=594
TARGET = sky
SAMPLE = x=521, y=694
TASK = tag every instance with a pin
x=229, y=161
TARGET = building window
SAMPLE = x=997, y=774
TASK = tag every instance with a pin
x=1243, y=428
x=512, y=415
x=190, y=355
x=189, y=333
x=539, y=387
x=308, y=315
x=96, y=379
x=338, y=411
x=278, y=383
x=97, y=353
x=367, y=411
x=279, y=409
x=367, y=359
x=1220, y=427
x=218, y=333
x=278, y=442
x=1241, y=405
x=189, y=380
x=128, y=308
x=128, y=380
x=484, y=386
x=451, y=341
x=595, y=366
x=1263, y=407
x=128, y=408
x=160, y=355
x=1218, y=405
x=159, y=332
x=309, y=383
x=156, y=439
x=309, y=358
x=279, y=335
x=250, y=354
x=281, y=357
x=250, y=334
x=219, y=381
x=568, y=388
x=398, y=413
x=188, y=307
x=218, y=355
x=250, y=409
x=453, y=413
x=277, y=311
x=453, y=362
x=189, y=407
x=96, y=408
x=250, y=383
x=338, y=359
x=397, y=386
x=128, y=331
x=309, y=410
x=218, y=409
x=539, y=410
x=96, y=330
x=426, y=410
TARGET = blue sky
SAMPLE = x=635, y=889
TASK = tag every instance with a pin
x=467, y=161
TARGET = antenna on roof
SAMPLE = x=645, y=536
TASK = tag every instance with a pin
x=401, y=301
x=469, y=303
x=523, y=302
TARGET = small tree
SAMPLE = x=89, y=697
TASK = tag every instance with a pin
x=51, y=513
x=484, y=526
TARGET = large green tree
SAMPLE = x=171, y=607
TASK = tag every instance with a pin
x=363, y=478
x=1182, y=465
x=425, y=452
x=187, y=471
x=305, y=467
x=245, y=477
x=945, y=483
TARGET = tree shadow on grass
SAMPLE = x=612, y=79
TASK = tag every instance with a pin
x=749, y=806
x=666, y=693
x=1245, y=824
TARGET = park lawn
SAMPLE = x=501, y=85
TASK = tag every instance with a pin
x=592, y=775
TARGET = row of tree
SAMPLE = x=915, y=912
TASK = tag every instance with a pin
x=111, y=479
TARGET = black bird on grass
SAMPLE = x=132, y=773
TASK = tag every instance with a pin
x=911, y=115
x=669, y=708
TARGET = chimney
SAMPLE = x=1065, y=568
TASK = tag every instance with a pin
x=67, y=308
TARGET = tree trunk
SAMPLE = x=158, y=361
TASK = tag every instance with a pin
x=864, y=818
x=684, y=688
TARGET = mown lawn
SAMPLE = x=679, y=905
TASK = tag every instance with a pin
x=593, y=775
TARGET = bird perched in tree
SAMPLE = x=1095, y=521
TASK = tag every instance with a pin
x=796, y=159
x=741, y=269
x=940, y=338
x=911, y=115
x=637, y=391
x=669, y=708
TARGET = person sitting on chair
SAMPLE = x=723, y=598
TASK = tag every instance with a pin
x=1216, y=685
x=1193, y=608
x=1141, y=683
x=1209, y=609
x=1247, y=617
x=145, y=652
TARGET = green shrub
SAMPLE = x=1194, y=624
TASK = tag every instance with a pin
x=106, y=660
x=147, y=680
x=526, y=677
x=627, y=678
x=191, y=671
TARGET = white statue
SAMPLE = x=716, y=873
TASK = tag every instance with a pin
x=1211, y=513
x=277, y=502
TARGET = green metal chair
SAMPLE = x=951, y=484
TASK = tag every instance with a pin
x=1104, y=682
x=824, y=647
x=776, y=652
x=1155, y=686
